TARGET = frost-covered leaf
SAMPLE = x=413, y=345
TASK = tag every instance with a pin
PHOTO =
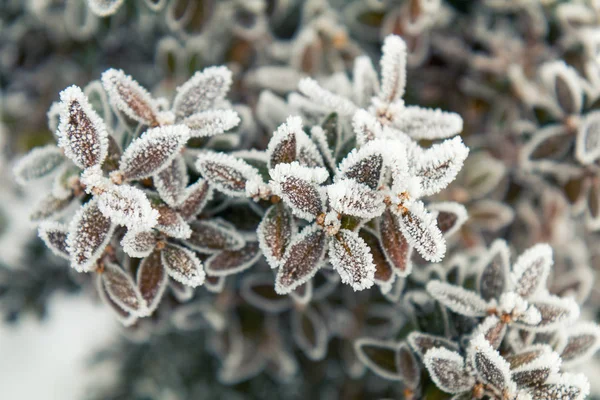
x=459, y=300
x=152, y=280
x=81, y=133
x=128, y=96
x=259, y=291
x=128, y=206
x=555, y=312
x=393, y=69
x=182, y=265
x=537, y=371
x=379, y=356
x=310, y=333
x=138, y=244
x=231, y=262
x=420, y=229
x=351, y=258
x=408, y=366
x=421, y=343
x=563, y=82
x=450, y=217
x=38, y=163
x=297, y=186
x=275, y=233
x=172, y=224
x=54, y=235
x=587, y=145
x=439, y=165
x=563, y=386
x=104, y=8
x=531, y=270
x=490, y=366
x=211, y=237
x=123, y=316
x=283, y=145
x=301, y=260
x=202, y=91
x=153, y=151
x=89, y=234
x=171, y=182
x=365, y=165
x=490, y=215
x=122, y=290
x=493, y=269
x=493, y=330
x=447, y=370
x=426, y=123
x=226, y=173
x=581, y=342
x=384, y=274
x=308, y=152
x=49, y=207
x=395, y=245
x=351, y=198
x=481, y=174
x=527, y=355
x=194, y=198
x=212, y=122
x=366, y=127
x=323, y=97
x=365, y=80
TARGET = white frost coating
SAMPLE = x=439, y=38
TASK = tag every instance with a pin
x=318, y=350
x=202, y=91
x=369, y=162
x=359, y=345
x=211, y=122
x=153, y=151
x=450, y=207
x=89, y=234
x=417, y=339
x=366, y=127
x=268, y=229
x=93, y=178
x=171, y=182
x=393, y=69
x=128, y=206
x=314, y=175
x=311, y=89
x=490, y=366
x=50, y=232
x=183, y=265
x=138, y=244
x=122, y=290
x=445, y=378
x=576, y=356
x=104, y=8
x=426, y=123
x=124, y=93
x=439, y=165
x=351, y=198
x=84, y=142
x=38, y=163
x=318, y=136
x=53, y=115
x=489, y=325
x=351, y=257
x=500, y=249
x=156, y=293
x=514, y=305
x=457, y=299
x=247, y=256
x=226, y=173
x=286, y=131
x=365, y=80
x=558, y=385
x=421, y=231
x=172, y=224
x=530, y=271
x=556, y=312
x=551, y=71
x=587, y=144
x=550, y=361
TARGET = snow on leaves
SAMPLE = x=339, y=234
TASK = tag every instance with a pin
x=457, y=299
x=54, y=234
x=490, y=366
x=447, y=371
x=310, y=88
x=421, y=231
x=128, y=206
x=89, y=234
x=211, y=122
x=38, y=163
x=393, y=69
x=351, y=198
x=153, y=151
x=204, y=90
x=183, y=265
x=531, y=270
x=194, y=198
x=275, y=233
x=227, y=173
x=352, y=259
x=301, y=260
x=81, y=133
x=171, y=182
x=423, y=123
x=128, y=96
